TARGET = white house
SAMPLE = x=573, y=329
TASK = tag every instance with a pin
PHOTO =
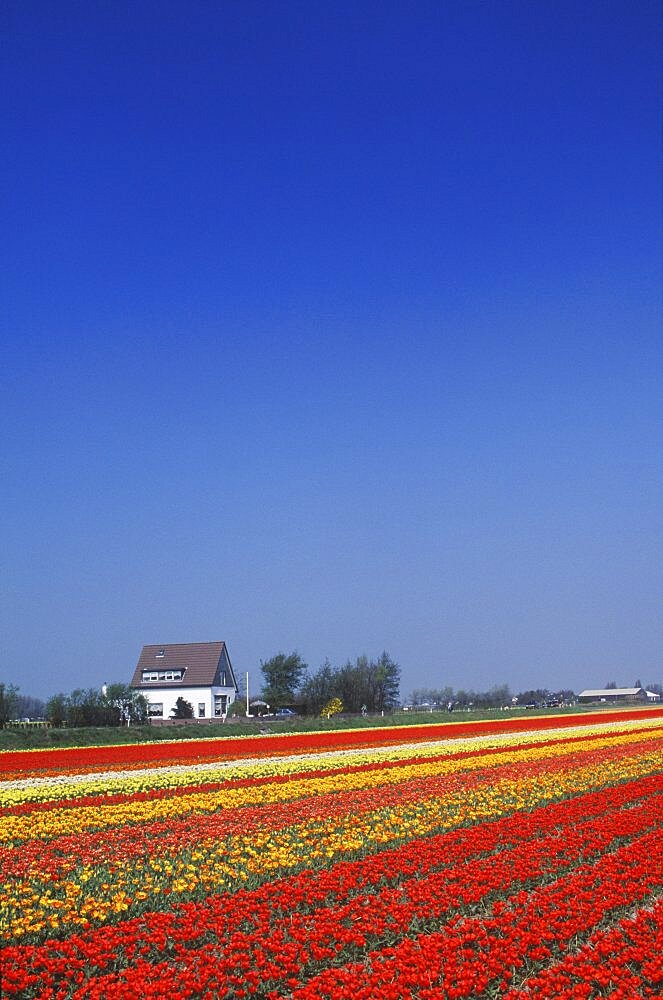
x=199, y=672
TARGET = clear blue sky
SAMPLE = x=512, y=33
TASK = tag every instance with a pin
x=333, y=327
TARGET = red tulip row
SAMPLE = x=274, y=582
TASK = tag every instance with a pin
x=620, y=962
x=231, y=748
x=27, y=808
x=327, y=916
x=474, y=955
x=65, y=852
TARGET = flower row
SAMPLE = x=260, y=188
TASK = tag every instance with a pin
x=21, y=795
x=624, y=959
x=355, y=905
x=71, y=881
x=546, y=777
x=140, y=808
x=24, y=796
x=33, y=762
x=472, y=955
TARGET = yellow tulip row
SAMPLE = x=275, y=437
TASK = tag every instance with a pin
x=97, y=816
x=96, y=895
x=67, y=786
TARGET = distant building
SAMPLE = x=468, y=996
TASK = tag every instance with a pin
x=635, y=694
x=199, y=672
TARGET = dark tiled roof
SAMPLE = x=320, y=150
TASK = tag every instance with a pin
x=202, y=661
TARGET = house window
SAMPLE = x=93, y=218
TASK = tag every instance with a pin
x=163, y=675
x=201, y=709
x=160, y=654
x=155, y=709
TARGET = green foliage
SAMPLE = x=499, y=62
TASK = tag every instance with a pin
x=282, y=675
x=115, y=705
x=29, y=707
x=56, y=710
x=498, y=696
x=318, y=689
x=432, y=696
x=124, y=705
x=47, y=737
x=370, y=683
x=332, y=707
x=8, y=702
x=183, y=709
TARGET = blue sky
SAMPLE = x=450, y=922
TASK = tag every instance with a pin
x=337, y=328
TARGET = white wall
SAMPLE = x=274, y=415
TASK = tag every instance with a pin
x=195, y=695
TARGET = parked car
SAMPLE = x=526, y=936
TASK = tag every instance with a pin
x=284, y=713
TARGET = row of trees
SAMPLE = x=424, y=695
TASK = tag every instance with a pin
x=114, y=705
x=363, y=685
x=655, y=688
x=14, y=705
x=497, y=697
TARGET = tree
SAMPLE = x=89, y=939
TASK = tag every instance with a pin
x=370, y=683
x=282, y=675
x=183, y=709
x=351, y=685
x=535, y=696
x=114, y=705
x=318, y=689
x=57, y=710
x=124, y=705
x=499, y=695
x=386, y=688
x=86, y=707
x=8, y=702
x=432, y=696
x=29, y=707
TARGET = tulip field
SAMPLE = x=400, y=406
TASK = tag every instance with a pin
x=519, y=858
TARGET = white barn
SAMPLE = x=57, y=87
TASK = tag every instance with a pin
x=635, y=694
x=199, y=672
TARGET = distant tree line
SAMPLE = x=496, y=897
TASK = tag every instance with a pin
x=114, y=705
x=363, y=685
x=496, y=697
x=369, y=685
x=654, y=687
x=14, y=705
